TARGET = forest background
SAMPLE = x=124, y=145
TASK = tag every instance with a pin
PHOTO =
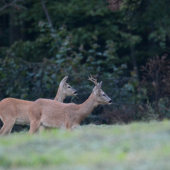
x=124, y=43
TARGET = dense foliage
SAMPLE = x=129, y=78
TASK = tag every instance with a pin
x=101, y=38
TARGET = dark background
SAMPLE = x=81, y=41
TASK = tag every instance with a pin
x=42, y=41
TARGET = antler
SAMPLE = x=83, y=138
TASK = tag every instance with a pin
x=93, y=80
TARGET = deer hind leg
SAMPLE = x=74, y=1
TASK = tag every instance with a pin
x=7, y=127
x=34, y=126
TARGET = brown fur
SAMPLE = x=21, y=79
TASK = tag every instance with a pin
x=49, y=113
x=14, y=111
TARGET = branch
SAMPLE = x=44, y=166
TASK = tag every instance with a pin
x=47, y=15
x=10, y=4
x=6, y=5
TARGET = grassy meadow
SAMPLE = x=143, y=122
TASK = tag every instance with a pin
x=137, y=146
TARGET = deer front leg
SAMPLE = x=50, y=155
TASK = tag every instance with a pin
x=70, y=126
x=75, y=126
x=43, y=128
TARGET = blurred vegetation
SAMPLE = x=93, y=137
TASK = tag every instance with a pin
x=109, y=39
x=135, y=146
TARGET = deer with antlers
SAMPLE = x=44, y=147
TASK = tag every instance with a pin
x=53, y=114
x=14, y=111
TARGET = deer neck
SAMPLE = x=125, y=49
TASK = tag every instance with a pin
x=60, y=96
x=87, y=107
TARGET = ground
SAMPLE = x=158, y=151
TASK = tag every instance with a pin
x=137, y=146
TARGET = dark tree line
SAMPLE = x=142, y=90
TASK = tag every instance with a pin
x=42, y=41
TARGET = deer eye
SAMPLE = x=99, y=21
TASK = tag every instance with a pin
x=104, y=95
x=68, y=86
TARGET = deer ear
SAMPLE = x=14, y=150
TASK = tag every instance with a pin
x=97, y=88
x=63, y=81
x=99, y=85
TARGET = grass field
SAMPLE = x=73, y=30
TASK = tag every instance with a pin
x=138, y=146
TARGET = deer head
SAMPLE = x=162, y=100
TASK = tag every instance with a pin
x=66, y=88
x=100, y=95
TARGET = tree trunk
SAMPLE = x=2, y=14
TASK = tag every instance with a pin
x=15, y=30
x=47, y=15
x=135, y=67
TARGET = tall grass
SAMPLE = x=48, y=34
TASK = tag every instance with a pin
x=119, y=147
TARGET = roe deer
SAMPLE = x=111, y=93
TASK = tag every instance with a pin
x=14, y=111
x=49, y=113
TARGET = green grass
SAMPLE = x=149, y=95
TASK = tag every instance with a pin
x=138, y=146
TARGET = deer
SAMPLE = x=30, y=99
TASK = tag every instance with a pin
x=14, y=111
x=53, y=114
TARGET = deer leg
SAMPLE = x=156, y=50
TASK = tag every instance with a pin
x=9, y=131
x=75, y=127
x=34, y=126
x=7, y=127
x=43, y=128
